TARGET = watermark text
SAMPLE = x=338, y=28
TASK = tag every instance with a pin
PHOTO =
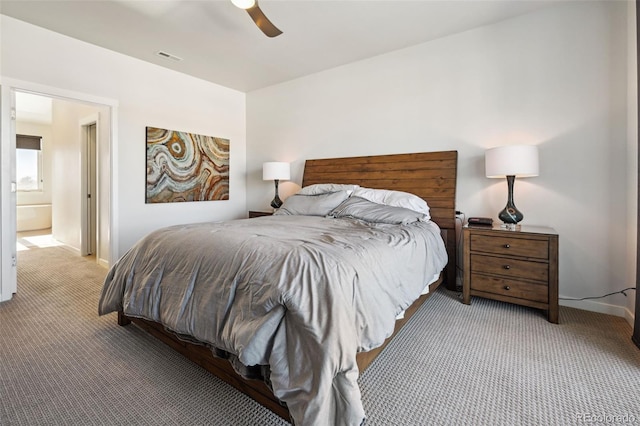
x=604, y=418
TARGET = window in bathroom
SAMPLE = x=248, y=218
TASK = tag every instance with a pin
x=29, y=163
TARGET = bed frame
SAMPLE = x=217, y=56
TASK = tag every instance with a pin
x=430, y=175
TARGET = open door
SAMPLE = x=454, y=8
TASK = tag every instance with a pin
x=8, y=270
x=89, y=221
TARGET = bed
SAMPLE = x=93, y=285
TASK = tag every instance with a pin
x=269, y=330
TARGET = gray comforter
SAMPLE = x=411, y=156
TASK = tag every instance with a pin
x=301, y=294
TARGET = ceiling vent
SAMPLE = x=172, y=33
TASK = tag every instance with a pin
x=166, y=55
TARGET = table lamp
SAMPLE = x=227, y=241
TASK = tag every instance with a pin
x=276, y=171
x=511, y=161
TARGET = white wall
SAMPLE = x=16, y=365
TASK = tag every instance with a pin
x=103, y=133
x=556, y=78
x=146, y=95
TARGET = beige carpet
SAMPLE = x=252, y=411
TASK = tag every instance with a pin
x=488, y=363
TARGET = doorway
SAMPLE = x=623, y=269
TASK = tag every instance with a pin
x=67, y=198
x=78, y=192
x=90, y=212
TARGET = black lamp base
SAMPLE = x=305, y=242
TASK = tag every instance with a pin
x=510, y=214
x=276, y=202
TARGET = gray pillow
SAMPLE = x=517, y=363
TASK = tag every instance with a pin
x=312, y=205
x=359, y=208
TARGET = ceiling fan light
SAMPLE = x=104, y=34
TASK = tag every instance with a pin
x=244, y=4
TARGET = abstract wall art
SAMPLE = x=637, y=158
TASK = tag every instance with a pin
x=186, y=167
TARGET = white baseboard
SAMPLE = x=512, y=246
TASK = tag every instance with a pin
x=600, y=307
x=73, y=250
x=630, y=317
x=104, y=263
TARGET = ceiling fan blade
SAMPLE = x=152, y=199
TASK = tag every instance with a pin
x=262, y=21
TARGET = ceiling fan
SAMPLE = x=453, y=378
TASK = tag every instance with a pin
x=261, y=20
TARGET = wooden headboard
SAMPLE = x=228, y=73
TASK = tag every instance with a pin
x=429, y=175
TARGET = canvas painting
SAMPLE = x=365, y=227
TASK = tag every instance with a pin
x=186, y=167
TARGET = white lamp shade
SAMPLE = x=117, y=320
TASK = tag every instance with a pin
x=275, y=170
x=511, y=160
x=243, y=4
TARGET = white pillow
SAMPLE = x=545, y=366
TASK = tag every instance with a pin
x=323, y=188
x=395, y=199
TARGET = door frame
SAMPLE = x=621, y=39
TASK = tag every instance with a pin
x=8, y=250
x=8, y=87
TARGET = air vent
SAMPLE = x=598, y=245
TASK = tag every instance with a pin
x=166, y=55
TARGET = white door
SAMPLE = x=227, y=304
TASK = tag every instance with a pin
x=89, y=215
x=92, y=194
x=8, y=271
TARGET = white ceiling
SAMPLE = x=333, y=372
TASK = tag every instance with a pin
x=219, y=42
x=33, y=108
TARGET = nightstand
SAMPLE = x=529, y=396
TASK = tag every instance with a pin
x=519, y=266
x=253, y=214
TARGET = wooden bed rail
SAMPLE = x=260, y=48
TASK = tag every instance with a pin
x=256, y=389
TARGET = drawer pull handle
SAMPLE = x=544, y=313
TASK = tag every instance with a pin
x=506, y=287
x=507, y=246
x=507, y=267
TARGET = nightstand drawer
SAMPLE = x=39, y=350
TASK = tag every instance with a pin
x=511, y=288
x=509, y=246
x=509, y=268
